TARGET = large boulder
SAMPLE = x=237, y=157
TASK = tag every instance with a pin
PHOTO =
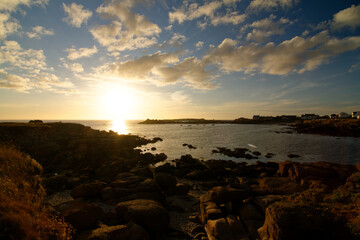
x=165, y=180
x=82, y=215
x=130, y=231
x=279, y=185
x=298, y=220
x=147, y=213
x=88, y=190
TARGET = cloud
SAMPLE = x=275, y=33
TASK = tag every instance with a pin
x=39, y=31
x=11, y=52
x=176, y=40
x=298, y=54
x=230, y=18
x=161, y=69
x=127, y=31
x=115, y=39
x=268, y=5
x=11, y=5
x=8, y=25
x=14, y=82
x=263, y=29
x=193, y=11
x=31, y=70
x=347, y=18
x=76, y=15
x=199, y=45
x=135, y=24
x=81, y=52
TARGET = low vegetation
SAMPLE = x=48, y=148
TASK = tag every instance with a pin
x=22, y=214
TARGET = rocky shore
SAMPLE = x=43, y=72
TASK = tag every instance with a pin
x=331, y=127
x=105, y=189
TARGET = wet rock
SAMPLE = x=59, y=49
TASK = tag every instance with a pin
x=256, y=153
x=88, y=190
x=269, y=155
x=82, y=215
x=291, y=155
x=147, y=213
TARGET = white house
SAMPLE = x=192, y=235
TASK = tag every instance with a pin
x=344, y=115
x=355, y=114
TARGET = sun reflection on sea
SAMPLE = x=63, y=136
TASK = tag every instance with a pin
x=119, y=126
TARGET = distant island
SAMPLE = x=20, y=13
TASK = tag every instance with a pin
x=261, y=120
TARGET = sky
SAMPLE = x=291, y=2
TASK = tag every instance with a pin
x=139, y=59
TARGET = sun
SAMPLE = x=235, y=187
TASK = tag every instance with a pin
x=119, y=103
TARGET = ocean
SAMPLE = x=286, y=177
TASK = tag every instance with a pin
x=263, y=138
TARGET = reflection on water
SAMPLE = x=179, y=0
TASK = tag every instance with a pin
x=119, y=126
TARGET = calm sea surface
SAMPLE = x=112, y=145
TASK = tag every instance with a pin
x=262, y=138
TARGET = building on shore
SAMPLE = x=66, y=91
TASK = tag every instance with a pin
x=307, y=116
x=343, y=115
x=355, y=114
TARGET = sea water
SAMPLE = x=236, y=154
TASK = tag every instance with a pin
x=263, y=138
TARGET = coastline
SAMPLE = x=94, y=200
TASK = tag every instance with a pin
x=97, y=182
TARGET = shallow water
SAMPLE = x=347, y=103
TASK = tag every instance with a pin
x=262, y=138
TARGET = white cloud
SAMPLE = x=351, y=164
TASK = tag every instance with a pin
x=31, y=70
x=298, y=54
x=176, y=40
x=81, y=52
x=263, y=29
x=76, y=67
x=39, y=31
x=230, y=18
x=11, y=5
x=8, y=25
x=349, y=17
x=112, y=36
x=128, y=31
x=14, y=82
x=169, y=28
x=271, y=4
x=135, y=24
x=193, y=11
x=11, y=52
x=76, y=15
x=199, y=44
x=160, y=69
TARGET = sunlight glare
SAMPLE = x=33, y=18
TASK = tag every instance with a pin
x=119, y=126
x=119, y=104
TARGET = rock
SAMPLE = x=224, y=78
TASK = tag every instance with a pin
x=55, y=183
x=88, y=190
x=153, y=148
x=269, y=155
x=256, y=153
x=279, y=185
x=219, y=229
x=248, y=211
x=147, y=213
x=82, y=215
x=291, y=155
x=165, y=180
x=301, y=220
x=109, y=171
x=237, y=227
x=130, y=231
x=225, y=194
